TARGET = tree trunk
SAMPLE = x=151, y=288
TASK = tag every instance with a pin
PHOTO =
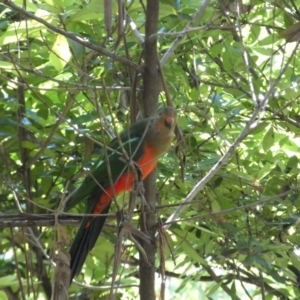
x=150, y=99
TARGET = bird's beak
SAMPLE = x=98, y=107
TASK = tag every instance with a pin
x=169, y=121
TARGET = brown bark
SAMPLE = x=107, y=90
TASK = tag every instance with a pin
x=39, y=267
x=149, y=104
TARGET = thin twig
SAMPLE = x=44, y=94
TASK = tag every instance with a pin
x=73, y=37
x=178, y=40
x=249, y=126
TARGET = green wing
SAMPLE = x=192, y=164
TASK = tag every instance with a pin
x=98, y=179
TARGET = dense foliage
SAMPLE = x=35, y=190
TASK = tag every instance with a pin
x=70, y=77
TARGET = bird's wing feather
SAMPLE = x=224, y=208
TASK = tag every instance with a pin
x=97, y=180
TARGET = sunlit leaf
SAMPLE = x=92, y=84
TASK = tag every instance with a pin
x=268, y=139
x=60, y=53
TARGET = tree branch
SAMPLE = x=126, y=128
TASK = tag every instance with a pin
x=250, y=125
x=179, y=39
x=73, y=37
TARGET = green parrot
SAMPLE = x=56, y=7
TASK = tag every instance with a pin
x=144, y=142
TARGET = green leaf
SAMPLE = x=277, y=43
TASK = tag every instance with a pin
x=7, y=121
x=166, y=10
x=293, y=162
x=3, y=296
x=30, y=6
x=233, y=290
x=34, y=116
x=268, y=140
x=77, y=49
x=264, y=171
x=202, y=228
x=192, y=254
x=5, y=65
x=11, y=36
x=249, y=260
x=86, y=14
x=262, y=262
x=9, y=280
x=55, y=2
x=60, y=54
x=29, y=145
x=214, y=287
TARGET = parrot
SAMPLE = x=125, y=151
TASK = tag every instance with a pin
x=144, y=142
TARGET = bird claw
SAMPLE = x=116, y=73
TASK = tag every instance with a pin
x=139, y=188
x=121, y=216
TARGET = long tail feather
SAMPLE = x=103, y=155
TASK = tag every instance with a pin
x=85, y=240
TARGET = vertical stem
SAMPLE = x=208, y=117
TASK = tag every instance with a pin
x=39, y=267
x=149, y=104
x=150, y=79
